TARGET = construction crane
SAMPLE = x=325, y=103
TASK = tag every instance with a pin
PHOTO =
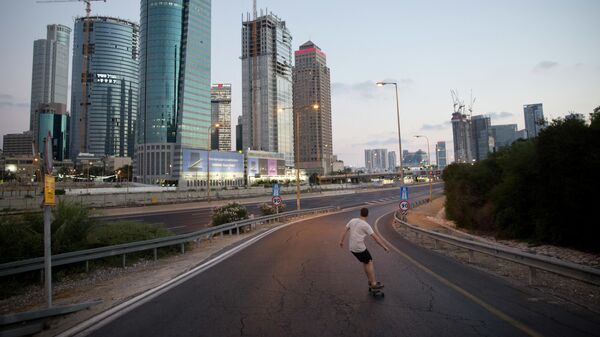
x=471, y=104
x=84, y=76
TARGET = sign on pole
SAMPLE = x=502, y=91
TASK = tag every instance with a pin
x=275, y=189
x=404, y=193
x=49, y=188
x=276, y=201
x=404, y=205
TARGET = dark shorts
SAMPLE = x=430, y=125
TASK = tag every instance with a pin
x=364, y=256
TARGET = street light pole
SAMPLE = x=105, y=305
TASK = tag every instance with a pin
x=428, y=163
x=381, y=83
x=297, y=147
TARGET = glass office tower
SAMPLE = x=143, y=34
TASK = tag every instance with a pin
x=106, y=127
x=221, y=114
x=534, y=119
x=50, y=71
x=174, y=106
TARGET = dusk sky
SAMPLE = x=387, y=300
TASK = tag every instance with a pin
x=509, y=53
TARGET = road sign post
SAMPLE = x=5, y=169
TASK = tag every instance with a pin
x=48, y=202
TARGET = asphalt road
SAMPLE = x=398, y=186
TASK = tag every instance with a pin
x=186, y=221
x=298, y=282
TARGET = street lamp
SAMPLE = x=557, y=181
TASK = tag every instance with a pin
x=315, y=107
x=214, y=126
x=429, y=163
x=381, y=84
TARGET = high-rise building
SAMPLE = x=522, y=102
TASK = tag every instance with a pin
x=376, y=160
x=522, y=134
x=440, y=155
x=220, y=99
x=267, y=86
x=53, y=120
x=50, y=71
x=504, y=135
x=534, y=119
x=461, y=135
x=174, y=106
x=105, y=125
x=392, y=162
x=482, y=138
x=312, y=110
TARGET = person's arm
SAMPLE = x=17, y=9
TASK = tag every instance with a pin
x=379, y=241
x=343, y=237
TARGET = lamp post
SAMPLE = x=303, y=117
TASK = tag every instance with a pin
x=214, y=126
x=315, y=107
x=381, y=84
x=429, y=164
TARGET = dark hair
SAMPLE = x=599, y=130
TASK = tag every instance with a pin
x=364, y=212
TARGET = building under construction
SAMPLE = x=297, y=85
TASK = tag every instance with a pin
x=267, y=85
x=461, y=131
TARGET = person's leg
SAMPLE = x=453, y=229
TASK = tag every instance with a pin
x=370, y=271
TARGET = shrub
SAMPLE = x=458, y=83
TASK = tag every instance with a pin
x=115, y=233
x=71, y=225
x=19, y=239
x=269, y=208
x=229, y=213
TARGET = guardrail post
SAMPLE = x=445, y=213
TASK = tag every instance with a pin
x=532, y=275
x=183, y=248
x=155, y=253
x=237, y=230
x=435, y=244
x=87, y=267
x=471, y=256
x=124, y=260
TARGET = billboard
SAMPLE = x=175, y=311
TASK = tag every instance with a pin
x=223, y=164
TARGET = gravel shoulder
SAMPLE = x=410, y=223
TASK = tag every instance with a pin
x=432, y=217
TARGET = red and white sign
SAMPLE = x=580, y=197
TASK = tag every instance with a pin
x=277, y=201
x=404, y=205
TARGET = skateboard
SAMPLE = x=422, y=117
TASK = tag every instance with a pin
x=376, y=292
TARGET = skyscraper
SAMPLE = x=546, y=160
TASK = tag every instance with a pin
x=482, y=138
x=534, y=119
x=106, y=126
x=174, y=106
x=461, y=135
x=440, y=155
x=267, y=86
x=504, y=135
x=312, y=109
x=50, y=71
x=376, y=160
x=392, y=161
x=220, y=99
x=239, y=135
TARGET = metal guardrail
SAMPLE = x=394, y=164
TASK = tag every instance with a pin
x=534, y=262
x=22, y=266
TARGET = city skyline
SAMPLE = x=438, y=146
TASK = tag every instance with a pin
x=546, y=55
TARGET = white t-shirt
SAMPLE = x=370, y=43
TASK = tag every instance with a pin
x=358, y=230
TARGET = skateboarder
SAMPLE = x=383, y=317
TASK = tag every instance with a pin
x=359, y=228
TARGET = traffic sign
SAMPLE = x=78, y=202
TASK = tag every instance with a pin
x=404, y=193
x=49, y=188
x=275, y=189
x=277, y=201
x=404, y=205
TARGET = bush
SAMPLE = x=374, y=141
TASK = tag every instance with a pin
x=229, y=213
x=115, y=233
x=269, y=208
x=20, y=239
x=71, y=226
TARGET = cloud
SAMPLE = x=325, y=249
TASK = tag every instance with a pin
x=436, y=127
x=7, y=101
x=500, y=115
x=379, y=142
x=544, y=65
x=366, y=89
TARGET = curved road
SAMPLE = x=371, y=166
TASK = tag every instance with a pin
x=185, y=221
x=298, y=282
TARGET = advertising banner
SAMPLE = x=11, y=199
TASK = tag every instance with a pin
x=272, y=167
x=253, y=167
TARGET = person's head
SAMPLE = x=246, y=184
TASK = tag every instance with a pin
x=364, y=212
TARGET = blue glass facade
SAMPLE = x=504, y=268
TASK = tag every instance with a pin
x=112, y=88
x=175, y=102
x=57, y=125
